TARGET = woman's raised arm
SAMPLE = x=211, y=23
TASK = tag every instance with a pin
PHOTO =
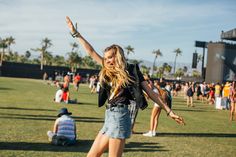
x=88, y=48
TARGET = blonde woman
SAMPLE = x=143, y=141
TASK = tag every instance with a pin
x=120, y=82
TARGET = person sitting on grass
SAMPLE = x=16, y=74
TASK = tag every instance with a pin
x=64, y=130
x=66, y=97
x=59, y=93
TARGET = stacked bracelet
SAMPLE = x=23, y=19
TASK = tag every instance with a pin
x=76, y=34
x=168, y=113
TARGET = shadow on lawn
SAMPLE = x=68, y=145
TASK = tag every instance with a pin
x=48, y=117
x=225, y=135
x=33, y=109
x=143, y=147
x=86, y=103
x=81, y=146
x=194, y=110
x=2, y=88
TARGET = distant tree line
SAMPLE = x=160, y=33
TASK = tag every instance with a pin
x=75, y=60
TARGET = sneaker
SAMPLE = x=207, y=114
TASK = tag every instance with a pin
x=148, y=134
x=154, y=133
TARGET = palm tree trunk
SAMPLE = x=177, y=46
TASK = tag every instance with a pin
x=175, y=63
x=2, y=54
x=41, y=67
x=153, y=66
x=72, y=68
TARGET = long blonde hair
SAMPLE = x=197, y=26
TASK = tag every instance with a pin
x=118, y=76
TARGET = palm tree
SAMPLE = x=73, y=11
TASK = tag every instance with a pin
x=27, y=54
x=177, y=53
x=160, y=72
x=185, y=69
x=9, y=41
x=3, y=45
x=45, y=43
x=88, y=62
x=144, y=69
x=74, y=46
x=22, y=59
x=129, y=49
x=168, y=68
x=179, y=73
x=58, y=60
x=156, y=53
x=135, y=61
x=196, y=73
x=48, y=58
x=15, y=57
x=164, y=66
x=73, y=60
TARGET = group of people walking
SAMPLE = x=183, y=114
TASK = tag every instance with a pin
x=223, y=96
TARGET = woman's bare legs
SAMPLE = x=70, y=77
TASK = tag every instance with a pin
x=153, y=118
x=191, y=101
x=156, y=119
x=232, y=111
x=100, y=144
x=153, y=122
x=103, y=142
x=188, y=100
x=116, y=147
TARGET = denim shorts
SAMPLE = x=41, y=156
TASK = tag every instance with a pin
x=117, y=122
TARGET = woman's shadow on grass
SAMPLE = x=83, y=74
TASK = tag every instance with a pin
x=80, y=146
x=3, y=88
x=48, y=117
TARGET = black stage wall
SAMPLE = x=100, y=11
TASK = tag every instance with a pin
x=22, y=70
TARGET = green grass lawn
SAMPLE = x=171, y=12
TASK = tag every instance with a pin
x=27, y=112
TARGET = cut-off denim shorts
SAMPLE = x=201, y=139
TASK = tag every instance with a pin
x=117, y=122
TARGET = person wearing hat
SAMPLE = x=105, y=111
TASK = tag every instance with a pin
x=64, y=130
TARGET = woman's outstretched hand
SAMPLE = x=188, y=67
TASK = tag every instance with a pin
x=177, y=118
x=70, y=25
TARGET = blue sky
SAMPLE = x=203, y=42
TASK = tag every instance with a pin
x=146, y=25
